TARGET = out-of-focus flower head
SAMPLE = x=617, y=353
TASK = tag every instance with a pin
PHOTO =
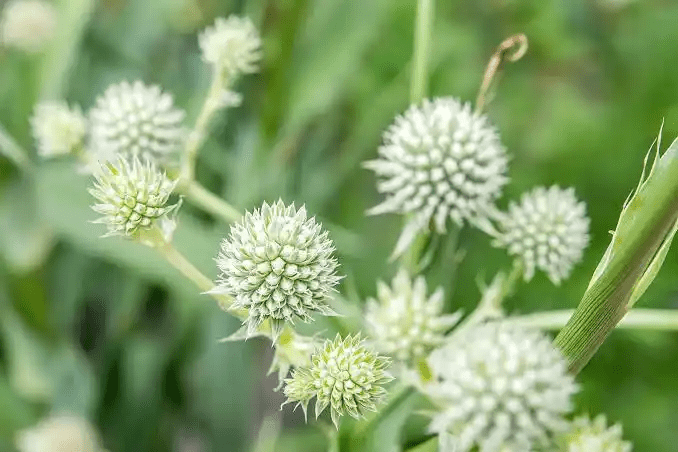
x=59, y=433
x=135, y=120
x=404, y=322
x=593, y=435
x=439, y=161
x=344, y=375
x=233, y=45
x=499, y=388
x=548, y=230
x=27, y=25
x=58, y=129
x=279, y=265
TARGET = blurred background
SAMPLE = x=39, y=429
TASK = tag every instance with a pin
x=104, y=329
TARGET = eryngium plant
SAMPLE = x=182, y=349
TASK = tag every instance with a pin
x=404, y=322
x=232, y=46
x=439, y=161
x=593, y=435
x=131, y=196
x=58, y=129
x=278, y=264
x=500, y=387
x=344, y=375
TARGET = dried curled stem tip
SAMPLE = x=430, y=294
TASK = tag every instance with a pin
x=511, y=49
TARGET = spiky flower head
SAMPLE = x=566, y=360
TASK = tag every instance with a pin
x=27, y=25
x=59, y=433
x=439, y=160
x=548, y=230
x=136, y=120
x=404, y=322
x=132, y=197
x=278, y=264
x=232, y=45
x=344, y=375
x=499, y=387
x=58, y=129
x=593, y=435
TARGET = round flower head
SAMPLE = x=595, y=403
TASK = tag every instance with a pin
x=136, y=120
x=59, y=433
x=439, y=160
x=58, y=129
x=132, y=196
x=232, y=45
x=548, y=230
x=499, y=388
x=279, y=265
x=404, y=323
x=344, y=375
x=588, y=435
x=27, y=25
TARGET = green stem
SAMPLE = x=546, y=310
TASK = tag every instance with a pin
x=14, y=152
x=647, y=319
x=209, y=202
x=366, y=428
x=422, y=47
x=197, y=136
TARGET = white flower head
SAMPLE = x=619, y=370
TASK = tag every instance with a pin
x=232, y=45
x=439, y=161
x=135, y=120
x=278, y=264
x=587, y=435
x=59, y=433
x=344, y=375
x=500, y=387
x=404, y=322
x=132, y=197
x=27, y=25
x=57, y=129
x=548, y=230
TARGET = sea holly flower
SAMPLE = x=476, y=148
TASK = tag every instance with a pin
x=548, y=230
x=135, y=120
x=27, y=25
x=344, y=375
x=133, y=198
x=278, y=264
x=59, y=433
x=404, y=322
x=593, y=435
x=440, y=160
x=232, y=45
x=58, y=129
x=498, y=388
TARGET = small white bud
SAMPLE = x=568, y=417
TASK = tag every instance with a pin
x=232, y=45
x=57, y=129
x=27, y=25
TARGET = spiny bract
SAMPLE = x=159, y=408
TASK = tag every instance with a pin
x=403, y=322
x=548, y=230
x=439, y=160
x=135, y=120
x=344, y=375
x=587, y=435
x=132, y=195
x=500, y=387
x=27, y=25
x=278, y=264
x=57, y=129
x=232, y=45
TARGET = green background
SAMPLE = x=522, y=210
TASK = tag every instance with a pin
x=104, y=328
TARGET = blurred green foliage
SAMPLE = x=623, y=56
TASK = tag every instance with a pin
x=106, y=329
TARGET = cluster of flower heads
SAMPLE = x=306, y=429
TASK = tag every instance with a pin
x=547, y=230
x=27, y=25
x=278, y=264
x=593, y=435
x=344, y=375
x=439, y=161
x=59, y=433
x=499, y=387
x=404, y=322
x=58, y=129
x=131, y=196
